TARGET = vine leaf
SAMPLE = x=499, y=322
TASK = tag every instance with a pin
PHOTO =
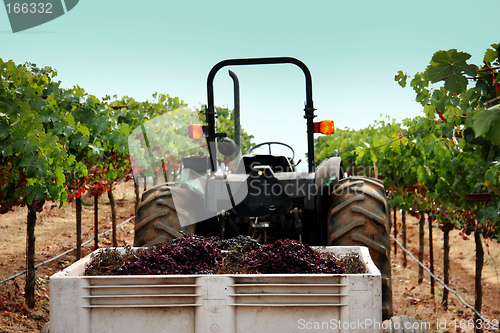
x=490, y=55
x=487, y=122
x=401, y=78
x=487, y=213
x=60, y=178
x=449, y=65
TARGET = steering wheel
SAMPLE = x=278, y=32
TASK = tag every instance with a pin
x=269, y=143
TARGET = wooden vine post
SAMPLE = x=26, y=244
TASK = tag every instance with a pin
x=113, y=214
x=478, y=197
x=431, y=254
x=478, y=287
x=78, y=204
x=29, y=288
x=137, y=196
x=421, y=244
x=395, y=232
x=446, y=268
x=403, y=221
x=96, y=222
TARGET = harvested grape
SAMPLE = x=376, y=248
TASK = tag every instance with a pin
x=108, y=260
x=192, y=254
x=187, y=255
x=289, y=256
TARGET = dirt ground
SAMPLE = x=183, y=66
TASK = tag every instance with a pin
x=55, y=234
x=412, y=299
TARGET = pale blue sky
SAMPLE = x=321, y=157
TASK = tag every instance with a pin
x=352, y=48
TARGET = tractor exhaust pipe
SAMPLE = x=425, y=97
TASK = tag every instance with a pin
x=237, y=125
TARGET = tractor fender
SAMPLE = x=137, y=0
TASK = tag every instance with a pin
x=328, y=169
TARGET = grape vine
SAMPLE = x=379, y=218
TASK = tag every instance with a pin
x=438, y=161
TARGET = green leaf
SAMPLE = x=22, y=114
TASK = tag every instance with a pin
x=70, y=119
x=5, y=149
x=36, y=169
x=360, y=152
x=50, y=117
x=489, y=213
x=84, y=130
x=63, y=198
x=125, y=129
x=441, y=104
x=60, y=178
x=490, y=55
x=27, y=160
x=53, y=191
x=430, y=111
x=448, y=66
x=19, y=145
x=71, y=159
x=4, y=130
x=401, y=78
x=494, y=135
x=487, y=121
x=448, y=129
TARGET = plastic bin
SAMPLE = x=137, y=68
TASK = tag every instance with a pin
x=217, y=303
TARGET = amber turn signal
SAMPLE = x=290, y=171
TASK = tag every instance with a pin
x=195, y=131
x=324, y=127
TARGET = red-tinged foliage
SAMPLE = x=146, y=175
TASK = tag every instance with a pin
x=97, y=189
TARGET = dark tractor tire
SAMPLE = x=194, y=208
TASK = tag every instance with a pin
x=405, y=324
x=157, y=219
x=359, y=216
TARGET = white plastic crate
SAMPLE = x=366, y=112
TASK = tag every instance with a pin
x=217, y=303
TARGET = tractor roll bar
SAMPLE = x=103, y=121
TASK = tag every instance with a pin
x=309, y=108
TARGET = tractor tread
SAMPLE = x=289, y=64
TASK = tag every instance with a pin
x=339, y=190
x=371, y=215
x=374, y=181
x=166, y=203
x=369, y=243
x=157, y=218
x=166, y=193
x=348, y=202
x=148, y=219
x=162, y=226
x=358, y=215
x=339, y=233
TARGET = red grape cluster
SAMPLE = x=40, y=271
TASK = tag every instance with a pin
x=187, y=255
x=289, y=256
x=241, y=244
x=197, y=255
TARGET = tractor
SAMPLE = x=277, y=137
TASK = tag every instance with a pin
x=222, y=192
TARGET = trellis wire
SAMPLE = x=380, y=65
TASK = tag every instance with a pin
x=62, y=254
x=444, y=285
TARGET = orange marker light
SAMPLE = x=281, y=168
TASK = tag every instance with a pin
x=327, y=127
x=324, y=127
x=195, y=131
